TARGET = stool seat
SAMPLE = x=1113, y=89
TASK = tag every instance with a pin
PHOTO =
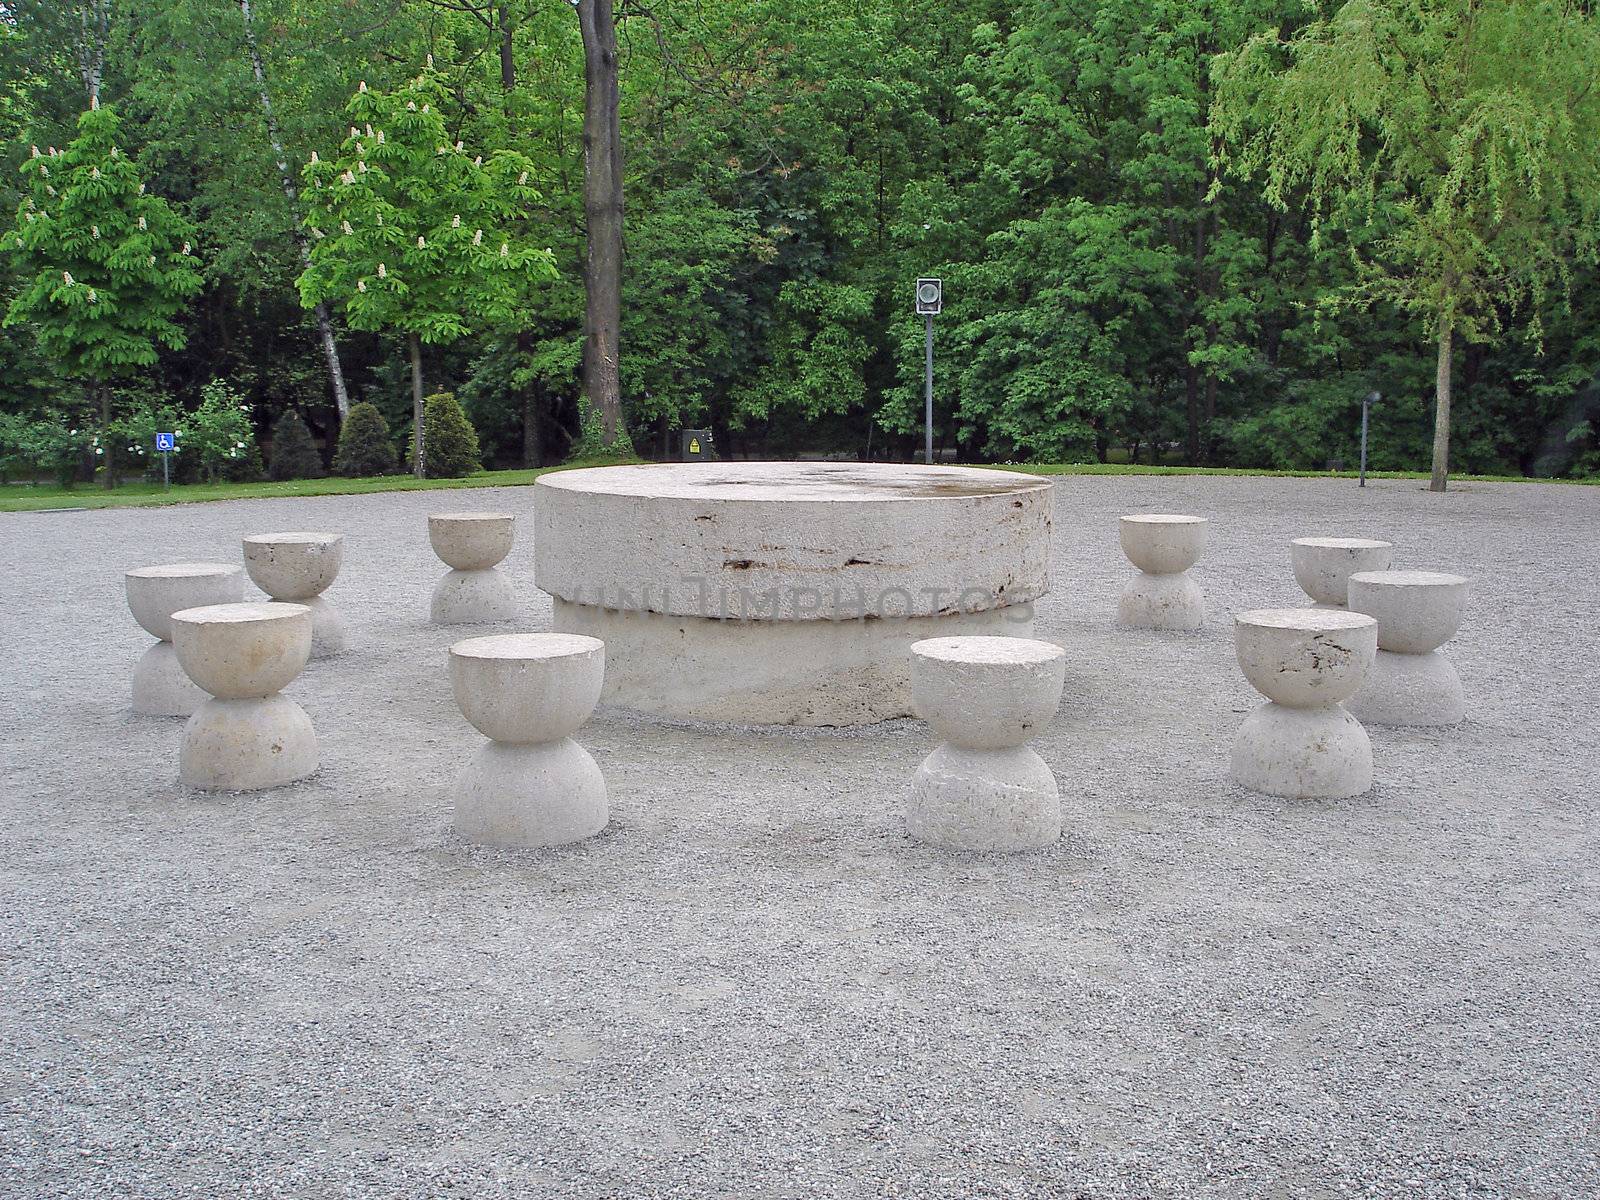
x=982, y=788
x=1323, y=565
x=530, y=784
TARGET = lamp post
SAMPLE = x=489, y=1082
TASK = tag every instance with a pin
x=930, y=299
x=1367, y=402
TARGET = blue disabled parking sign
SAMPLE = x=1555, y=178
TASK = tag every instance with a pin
x=165, y=443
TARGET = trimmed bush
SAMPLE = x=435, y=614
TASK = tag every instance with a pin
x=450, y=444
x=365, y=447
x=294, y=454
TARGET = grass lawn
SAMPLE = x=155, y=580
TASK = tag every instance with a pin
x=22, y=497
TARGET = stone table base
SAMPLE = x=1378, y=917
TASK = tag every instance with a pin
x=769, y=672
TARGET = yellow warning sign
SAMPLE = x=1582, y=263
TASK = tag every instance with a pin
x=694, y=445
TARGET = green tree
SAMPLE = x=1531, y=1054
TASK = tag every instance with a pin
x=1464, y=135
x=108, y=266
x=452, y=442
x=411, y=232
x=294, y=453
x=364, y=444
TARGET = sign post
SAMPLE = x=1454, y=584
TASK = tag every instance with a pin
x=166, y=443
x=930, y=299
x=1367, y=402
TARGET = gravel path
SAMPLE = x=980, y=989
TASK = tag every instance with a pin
x=753, y=984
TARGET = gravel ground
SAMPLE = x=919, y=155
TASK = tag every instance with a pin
x=753, y=984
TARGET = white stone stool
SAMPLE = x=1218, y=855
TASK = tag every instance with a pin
x=472, y=592
x=1411, y=683
x=1323, y=565
x=1306, y=662
x=530, y=784
x=1163, y=546
x=247, y=737
x=297, y=568
x=160, y=687
x=983, y=788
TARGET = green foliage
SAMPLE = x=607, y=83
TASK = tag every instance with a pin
x=451, y=441
x=1462, y=133
x=410, y=231
x=365, y=447
x=107, y=265
x=44, y=445
x=294, y=453
x=1115, y=286
x=590, y=446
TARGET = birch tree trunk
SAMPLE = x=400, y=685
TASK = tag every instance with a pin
x=418, y=439
x=330, y=348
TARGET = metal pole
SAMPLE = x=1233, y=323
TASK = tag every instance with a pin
x=166, y=471
x=927, y=397
x=1367, y=402
x=1364, y=409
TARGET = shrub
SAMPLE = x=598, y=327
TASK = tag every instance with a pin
x=450, y=444
x=590, y=446
x=294, y=454
x=49, y=443
x=365, y=447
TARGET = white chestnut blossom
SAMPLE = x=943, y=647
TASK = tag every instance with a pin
x=383, y=271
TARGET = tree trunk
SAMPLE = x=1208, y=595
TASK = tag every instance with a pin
x=94, y=19
x=107, y=454
x=1441, y=412
x=533, y=426
x=418, y=441
x=602, y=206
x=1191, y=391
x=330, y=348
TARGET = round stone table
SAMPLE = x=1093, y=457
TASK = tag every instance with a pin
x=785, y=593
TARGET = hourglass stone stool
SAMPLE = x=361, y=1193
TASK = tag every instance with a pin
x=472, y=592
x=530, y=784
x=1323, y=565
x=1306, y=662
x=1411, y=683
x=983, y=788
x=297, y=568
x=1162, y=596
x=248, y=736
x=160, y=687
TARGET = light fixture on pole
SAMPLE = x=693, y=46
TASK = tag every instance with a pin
x=930, y=299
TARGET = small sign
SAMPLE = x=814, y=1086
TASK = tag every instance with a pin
x=930, y=297
x=166, y=443
x=696, y=445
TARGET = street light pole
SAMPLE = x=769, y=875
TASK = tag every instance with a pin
x=930, y=299
x=927, y=395
x=1367, y=402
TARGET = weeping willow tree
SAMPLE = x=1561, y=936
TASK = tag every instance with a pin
x=1458, y=140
